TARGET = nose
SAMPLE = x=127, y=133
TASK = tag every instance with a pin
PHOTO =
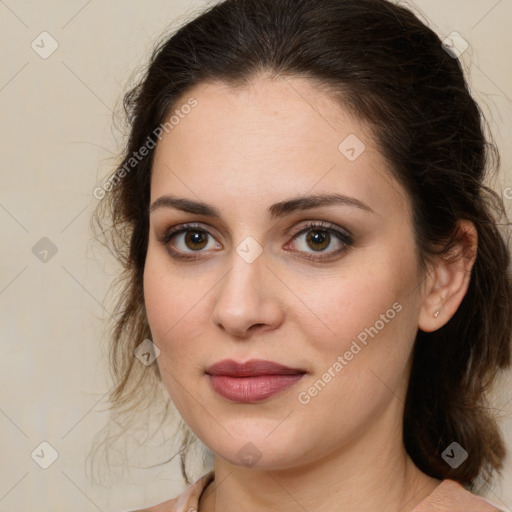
x=247, y=299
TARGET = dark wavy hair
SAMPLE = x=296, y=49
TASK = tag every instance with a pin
x=391, y=71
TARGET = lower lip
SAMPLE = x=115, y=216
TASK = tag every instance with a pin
x=252, y=389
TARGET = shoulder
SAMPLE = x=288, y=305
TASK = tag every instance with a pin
x=450, y=496
x=187, y=501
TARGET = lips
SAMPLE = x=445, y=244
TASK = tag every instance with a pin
x=252, y=368
x=252, y=381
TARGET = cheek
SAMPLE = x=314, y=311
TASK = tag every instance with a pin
x=366, y=360
x=371, y=314
x=164, y=308
x=368, y=296
x=167, y=296
x=176, y=310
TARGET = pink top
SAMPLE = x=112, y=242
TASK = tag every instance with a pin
x=448, y=496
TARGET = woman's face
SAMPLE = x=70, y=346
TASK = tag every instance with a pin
x=339, y=300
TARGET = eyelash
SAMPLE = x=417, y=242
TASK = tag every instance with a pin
x=343, y=237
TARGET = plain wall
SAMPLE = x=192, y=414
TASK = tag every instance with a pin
x=57, y=139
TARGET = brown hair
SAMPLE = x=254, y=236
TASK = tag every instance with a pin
x=391, y=70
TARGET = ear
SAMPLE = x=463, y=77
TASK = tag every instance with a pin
x=448, y=280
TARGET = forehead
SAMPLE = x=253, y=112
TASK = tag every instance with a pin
x=271, y=138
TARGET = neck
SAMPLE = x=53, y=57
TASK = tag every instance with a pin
x=373, y=473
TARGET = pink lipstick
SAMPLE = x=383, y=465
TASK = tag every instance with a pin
x=252, y=381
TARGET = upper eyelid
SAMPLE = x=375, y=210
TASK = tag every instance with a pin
x=188, y=226
x=305, y=224
x=324, y=225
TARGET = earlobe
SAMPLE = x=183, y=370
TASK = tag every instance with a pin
x=448, y=280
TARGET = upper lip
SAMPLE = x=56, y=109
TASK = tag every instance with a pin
x=250, y=368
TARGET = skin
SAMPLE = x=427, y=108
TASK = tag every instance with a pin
x=242, y=151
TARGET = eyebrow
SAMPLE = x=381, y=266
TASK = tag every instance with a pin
x=276, y=210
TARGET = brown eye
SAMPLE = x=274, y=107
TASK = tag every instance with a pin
x=195, y=240
x=318, y=239
x=184, y=240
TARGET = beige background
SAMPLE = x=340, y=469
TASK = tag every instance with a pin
x=57, y=137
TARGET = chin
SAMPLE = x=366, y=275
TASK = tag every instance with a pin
x=258, y=451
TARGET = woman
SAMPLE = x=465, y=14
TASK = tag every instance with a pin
x=309, y=245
